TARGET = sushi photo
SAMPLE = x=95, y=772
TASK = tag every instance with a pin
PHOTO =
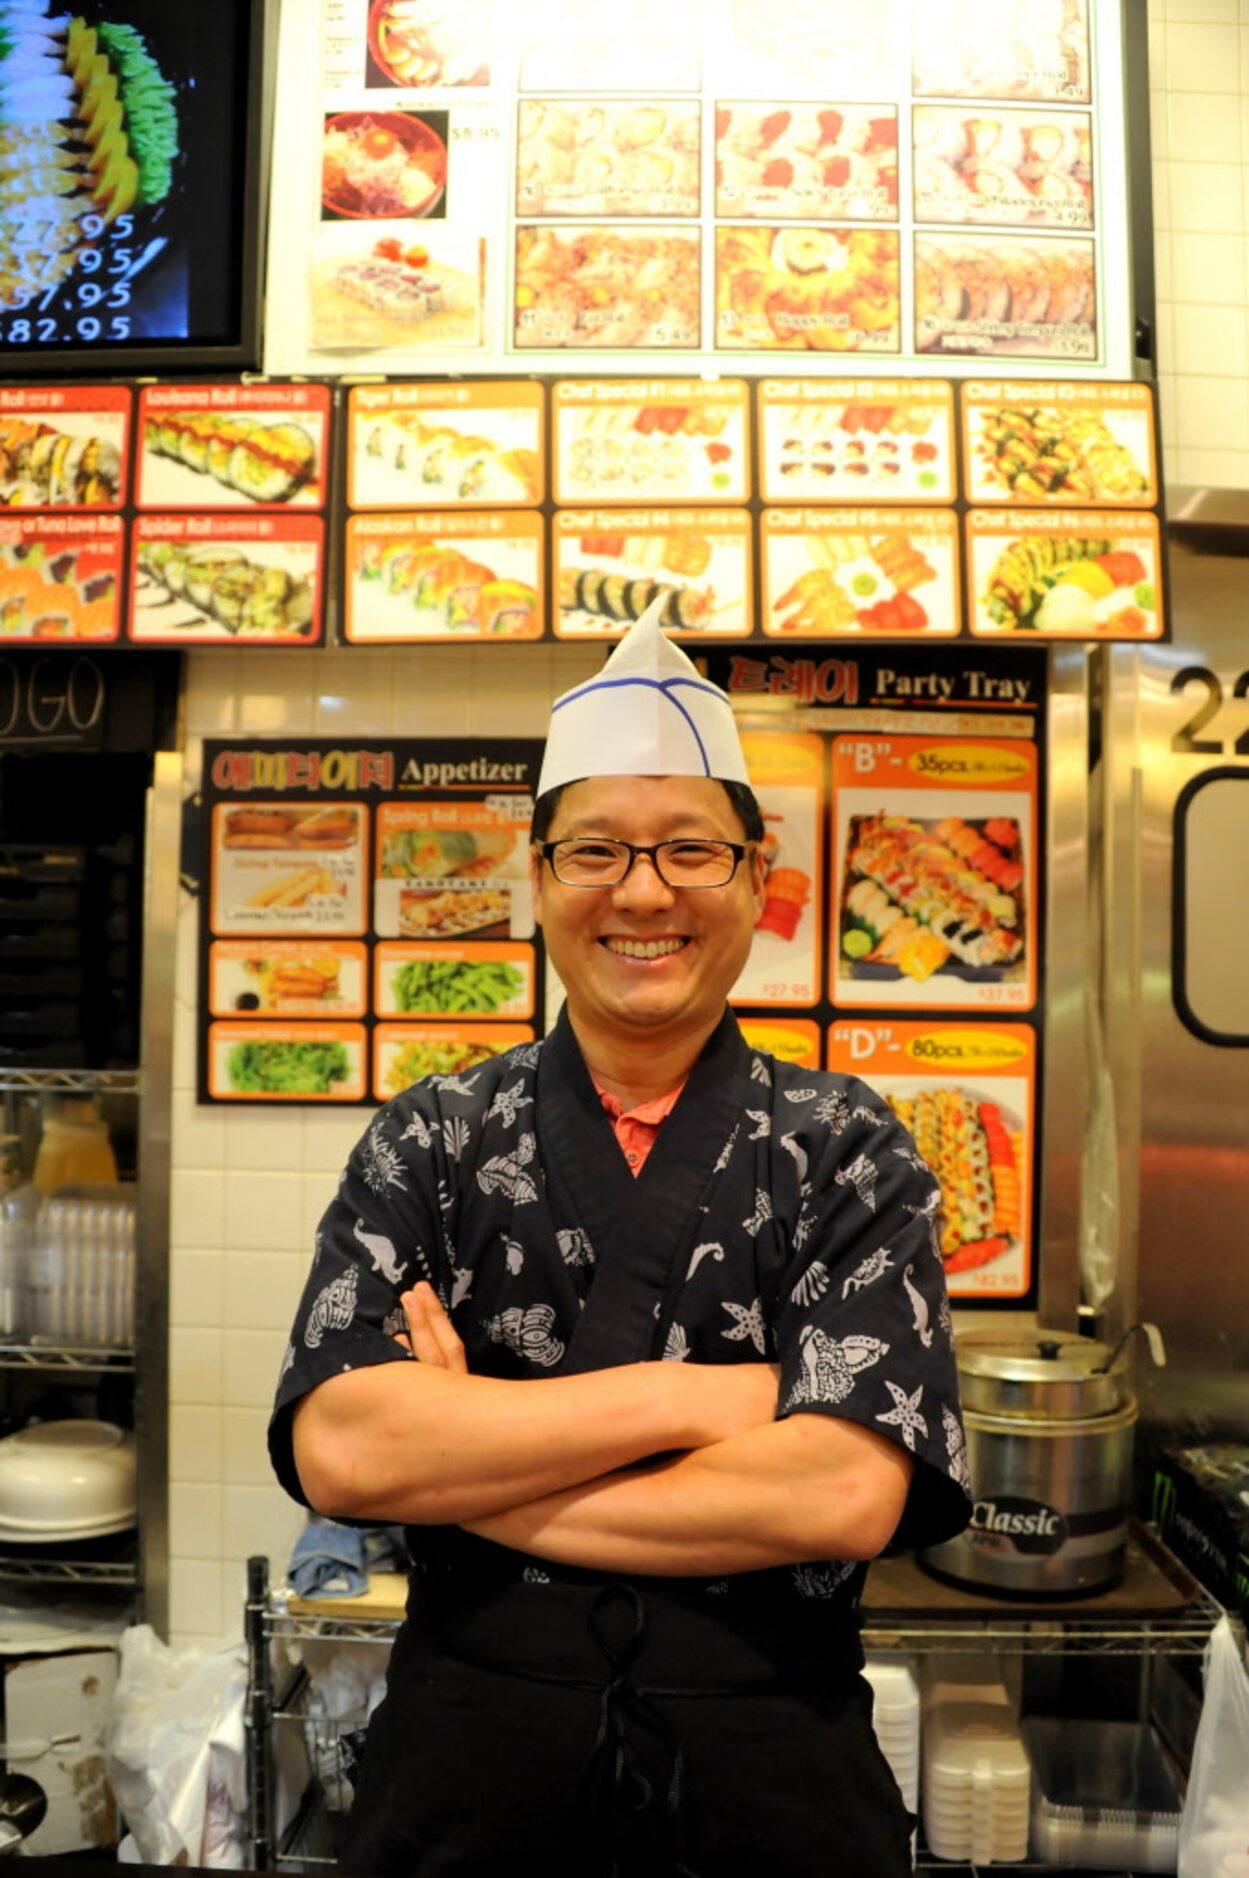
x=975, y=1144
x=1064, y=582
x=398, y=288
x=222, y=588
x=1005, y=298
x=1060, y=453
x=1005, y=168
x=687, y=442
x=812, y=162
x=700, y=575
x=884, y=573
x=45, y=466
x=434, y=462
x=807, y=289
x=404, y=585
x=269, y=461
x=578, y=157
x=922, y=896
x=1021, y=49
x=51, y=591
x=608, y=287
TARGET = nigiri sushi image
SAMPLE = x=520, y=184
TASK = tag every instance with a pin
x=264, y=462
x=920, y=894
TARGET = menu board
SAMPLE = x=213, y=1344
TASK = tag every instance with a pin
x=884, y=509
x=967, y=1094
x=366, y=916
x=688, y=186
x=903, y=798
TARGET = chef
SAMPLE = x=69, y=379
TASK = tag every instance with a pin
x=643, y=1335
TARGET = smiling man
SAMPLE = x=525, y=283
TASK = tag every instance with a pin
x=643, y=1335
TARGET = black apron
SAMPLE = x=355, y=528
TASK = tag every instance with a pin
x=633, y=1725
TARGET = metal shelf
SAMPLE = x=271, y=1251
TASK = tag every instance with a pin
x=80, y=1359
x=1158, y=1607
x=120, y=1572
x=18, y=1081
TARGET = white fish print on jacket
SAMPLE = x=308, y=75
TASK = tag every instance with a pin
x=528, y=1333
x=861, y=1175
x=829, y=1367
x=333, y=1308
x=382, y=1252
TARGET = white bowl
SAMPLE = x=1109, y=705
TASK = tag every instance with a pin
x=69, y=1480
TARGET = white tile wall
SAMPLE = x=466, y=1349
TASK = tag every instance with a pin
x=1199, y=81
x=249, y=1187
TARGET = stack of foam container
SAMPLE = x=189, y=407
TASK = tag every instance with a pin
x=976, y=1773
x=895, y=1716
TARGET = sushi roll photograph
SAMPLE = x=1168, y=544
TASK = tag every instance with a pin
x=193, y=457
x=404, y=585
x=696, y=568
x=225, y=590
x=973, y=1137
x=49, y=466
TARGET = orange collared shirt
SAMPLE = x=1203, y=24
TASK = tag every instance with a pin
x=636, y=1129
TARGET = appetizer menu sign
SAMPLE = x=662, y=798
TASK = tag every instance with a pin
x=903, y=798
x=858, y=509
x=366, y=916
x=859, y=187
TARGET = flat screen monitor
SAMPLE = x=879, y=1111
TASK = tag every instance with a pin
x=130, y=162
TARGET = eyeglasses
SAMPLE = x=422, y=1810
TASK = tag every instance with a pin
x=588, y=862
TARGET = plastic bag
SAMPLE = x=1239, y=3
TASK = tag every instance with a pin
x=1214, y=1830
x=175, y=1750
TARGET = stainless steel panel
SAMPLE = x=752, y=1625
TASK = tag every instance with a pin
x=164, y=833
x=1183, y=1102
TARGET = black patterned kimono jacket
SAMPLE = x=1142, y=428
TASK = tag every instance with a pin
x=783, y=1214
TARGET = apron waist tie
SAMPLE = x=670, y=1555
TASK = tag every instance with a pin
x=613, y=1784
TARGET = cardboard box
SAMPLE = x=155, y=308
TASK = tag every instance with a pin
x=57, y=1711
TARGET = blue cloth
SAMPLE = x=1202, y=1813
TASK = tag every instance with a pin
x=327, y=1561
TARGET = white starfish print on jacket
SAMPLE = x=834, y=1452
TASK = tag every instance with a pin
x=762, y=1124
x=829, y=1367
x=869, y=1270
x=747, y=1322
x=905, y=1413
x=861, y=1175
x=508, y=1103
x=528, y=1333
x=454, y=1085
x=382, y=1252
x=505, y=1173
x=333, y=1308
x=919, y=1309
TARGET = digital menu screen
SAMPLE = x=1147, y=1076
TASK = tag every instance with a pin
x=123, y=156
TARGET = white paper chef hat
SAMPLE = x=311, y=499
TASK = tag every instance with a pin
x=648, y=713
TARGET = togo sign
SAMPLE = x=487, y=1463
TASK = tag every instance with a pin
x=51, y=700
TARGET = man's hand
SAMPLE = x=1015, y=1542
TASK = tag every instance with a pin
x=434, y=1338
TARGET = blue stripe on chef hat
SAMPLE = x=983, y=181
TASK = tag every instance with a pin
x=666, y=687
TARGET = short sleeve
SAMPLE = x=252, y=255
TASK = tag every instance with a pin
x=382, y=1232
x=863, y=1324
